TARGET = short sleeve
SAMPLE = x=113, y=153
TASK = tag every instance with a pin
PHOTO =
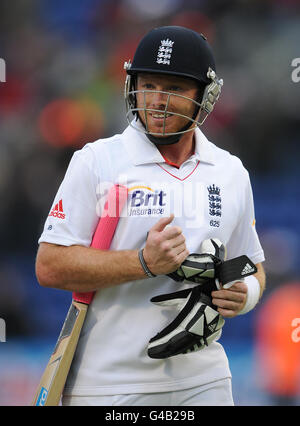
x=73, y=217
x=244, y=239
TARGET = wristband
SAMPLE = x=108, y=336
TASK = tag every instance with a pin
x=253, y=294
x=144, y=265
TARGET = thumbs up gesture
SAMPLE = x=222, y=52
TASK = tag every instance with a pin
x=165, y=248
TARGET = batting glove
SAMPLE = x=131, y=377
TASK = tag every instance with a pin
x=196, y=326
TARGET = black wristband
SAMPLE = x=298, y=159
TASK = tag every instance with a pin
x=144, y=265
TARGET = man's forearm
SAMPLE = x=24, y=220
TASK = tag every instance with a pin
x=261, y=277
x=83, y=269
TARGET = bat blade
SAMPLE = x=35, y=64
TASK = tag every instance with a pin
x=53, y=380
x=54, y=377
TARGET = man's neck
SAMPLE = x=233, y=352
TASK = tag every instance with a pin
x=179, y=152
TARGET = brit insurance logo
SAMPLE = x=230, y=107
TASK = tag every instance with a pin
x=158, y=199
x=214, y=205
x=145, y=201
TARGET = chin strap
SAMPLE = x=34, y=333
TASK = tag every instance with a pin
x=168, y=140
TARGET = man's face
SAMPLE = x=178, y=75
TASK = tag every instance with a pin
x=158, y=122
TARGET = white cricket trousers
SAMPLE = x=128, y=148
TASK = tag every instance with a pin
x=215, y=393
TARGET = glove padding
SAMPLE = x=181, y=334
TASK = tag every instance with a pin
x=196, y=325
x=198, y=268
x=209, y=270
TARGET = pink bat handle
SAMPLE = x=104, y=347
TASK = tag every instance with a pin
x=105, y=230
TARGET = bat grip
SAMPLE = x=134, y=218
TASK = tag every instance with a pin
x=105, y=230
x=86, y=298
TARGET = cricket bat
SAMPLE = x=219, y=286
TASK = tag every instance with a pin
x=53, y=380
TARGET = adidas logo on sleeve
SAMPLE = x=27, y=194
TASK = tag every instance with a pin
x=58, y=211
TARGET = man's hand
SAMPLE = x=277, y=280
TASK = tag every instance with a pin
x=230, y=301
x=165, y=248
x=201, y=267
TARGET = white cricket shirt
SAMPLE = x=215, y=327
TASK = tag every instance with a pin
x=210, y=195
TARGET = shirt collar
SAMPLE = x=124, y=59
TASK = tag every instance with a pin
x=140, y=148
x=143, y=151
x=203, y=148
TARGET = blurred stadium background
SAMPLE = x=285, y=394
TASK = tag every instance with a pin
x=64, y=82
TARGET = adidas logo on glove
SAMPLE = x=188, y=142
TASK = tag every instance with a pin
x=248, y=269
